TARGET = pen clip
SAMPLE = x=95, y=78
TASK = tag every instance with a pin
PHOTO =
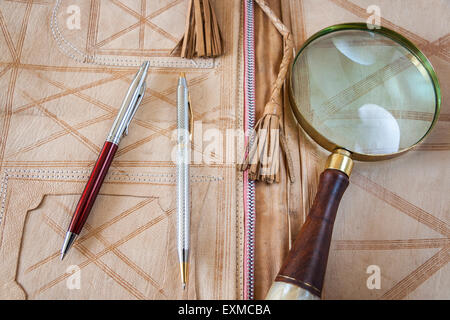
x=135, y=107
x=191, y=118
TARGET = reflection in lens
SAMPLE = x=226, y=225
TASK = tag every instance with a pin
x=358, y=54
x=379, y=132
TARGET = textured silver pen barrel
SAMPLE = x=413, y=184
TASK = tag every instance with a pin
x=183, y=174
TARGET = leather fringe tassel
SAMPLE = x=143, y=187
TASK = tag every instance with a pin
x=202, y=36
x=266, y=144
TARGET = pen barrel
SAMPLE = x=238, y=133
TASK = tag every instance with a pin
x=183, y=207
x=183, y=173
x=92, y=187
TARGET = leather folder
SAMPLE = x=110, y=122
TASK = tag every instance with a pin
x=63, y=73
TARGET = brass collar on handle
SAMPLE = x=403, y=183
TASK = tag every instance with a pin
x=340, y=160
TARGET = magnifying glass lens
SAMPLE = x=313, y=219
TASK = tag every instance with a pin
x=364, y=92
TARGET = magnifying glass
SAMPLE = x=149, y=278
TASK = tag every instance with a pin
x=364, y=95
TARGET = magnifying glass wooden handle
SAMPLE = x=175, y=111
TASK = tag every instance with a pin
x=302, y=274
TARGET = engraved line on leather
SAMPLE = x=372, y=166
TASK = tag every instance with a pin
x=95, y=258
x=94, y=53
x=76, y=91
x=82, y=175
x=418, y=276
x=17, y=66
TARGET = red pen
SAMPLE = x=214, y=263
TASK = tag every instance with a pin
x=119, y=129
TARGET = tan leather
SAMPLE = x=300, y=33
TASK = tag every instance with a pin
x=395, y=214
x=268, y=141
x=55, y=114
x=271, y=218
x=54, y=117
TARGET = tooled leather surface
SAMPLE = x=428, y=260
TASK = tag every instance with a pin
x=54, y=117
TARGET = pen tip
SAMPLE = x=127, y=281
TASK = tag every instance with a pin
x=68, y=241
x=184, y=274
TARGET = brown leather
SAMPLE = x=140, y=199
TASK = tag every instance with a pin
x=55, y=114
x=306, y=263
x=395, y=213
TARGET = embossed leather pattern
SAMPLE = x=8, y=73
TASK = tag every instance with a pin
x=55, y=113
x=54, y=117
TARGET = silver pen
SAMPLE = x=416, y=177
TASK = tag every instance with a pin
x=184, y=130
x=119, y=129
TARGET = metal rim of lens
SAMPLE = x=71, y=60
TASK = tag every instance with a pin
x=405, y=43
